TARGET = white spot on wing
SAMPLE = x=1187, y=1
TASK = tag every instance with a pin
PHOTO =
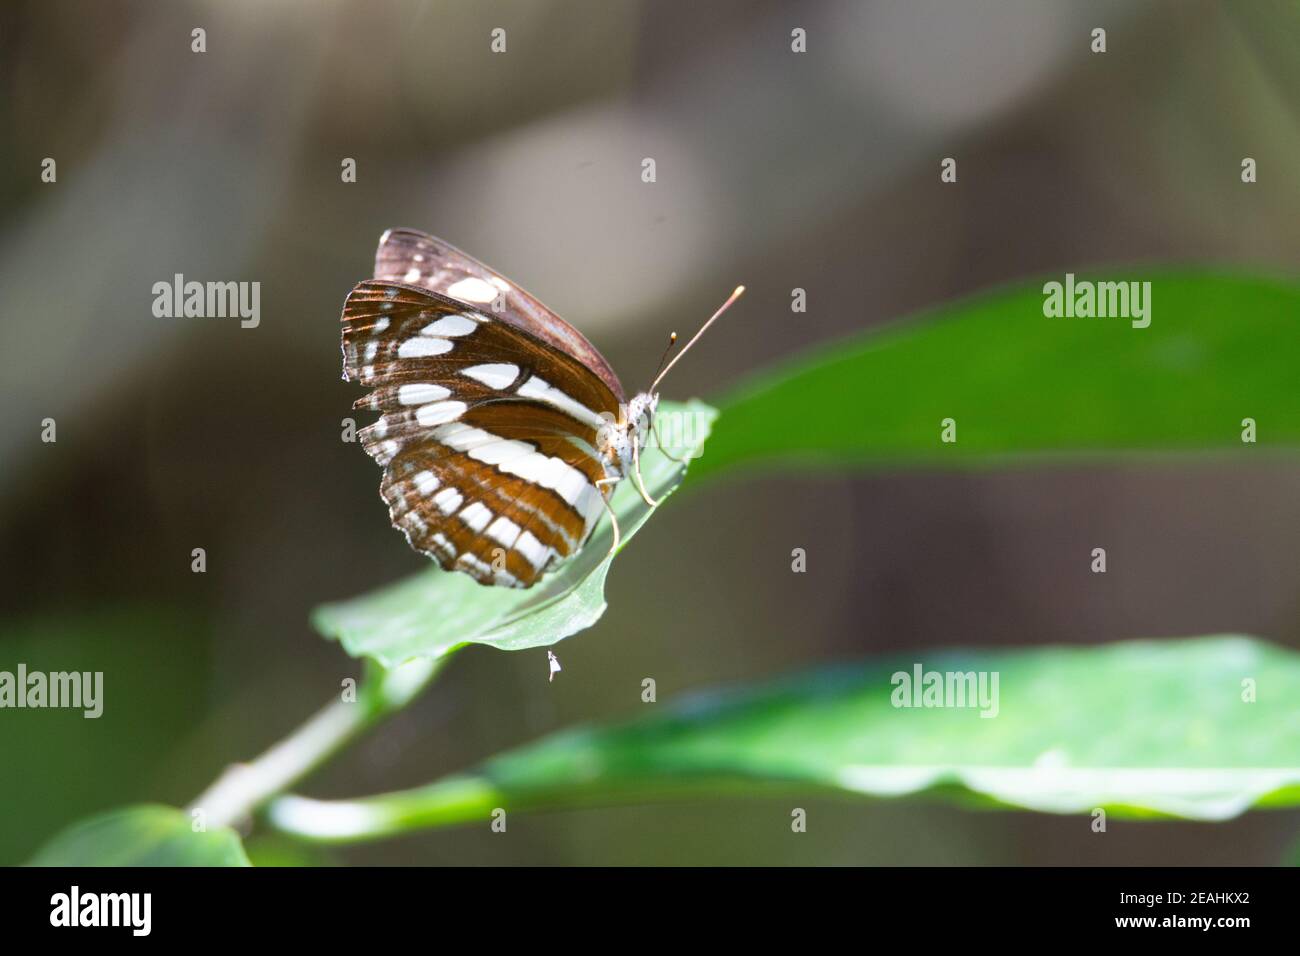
x=494, y=374
x=504, y=531
x=421, y=348
x=542, y=391
x=439, y=413
x=470, y=562
x=552, y=473
x=483, y=446
x=421, y=393
x=448, y=500
x=591, y=507
x=569, y=482
x=533, y=550
x=472, y=289
x=516, y=458
x=450, y=325
x=476, y=515
x=411, y=275
x=426, y=482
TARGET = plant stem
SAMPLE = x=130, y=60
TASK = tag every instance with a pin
x=472, y=797
x=244, y=787
x=458, y=799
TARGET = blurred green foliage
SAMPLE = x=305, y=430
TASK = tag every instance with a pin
x=153, y=697
x=1136, y=728
x=142, y=836
x=1021, y=386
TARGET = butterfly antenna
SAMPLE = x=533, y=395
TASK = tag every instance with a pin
x=672, y=340
x=695, y=338
x=654, y=427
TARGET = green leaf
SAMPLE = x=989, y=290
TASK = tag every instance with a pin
x=145, y=835
x=433, y=612
x=1218, y=349
x=1138, y=728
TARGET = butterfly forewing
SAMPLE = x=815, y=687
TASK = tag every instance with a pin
x=417, y=258
x=488, y=434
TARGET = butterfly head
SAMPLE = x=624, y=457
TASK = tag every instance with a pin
x=632, y=434
x=620, y=441
x=640, y=415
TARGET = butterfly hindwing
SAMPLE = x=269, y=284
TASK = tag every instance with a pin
x=488, y=434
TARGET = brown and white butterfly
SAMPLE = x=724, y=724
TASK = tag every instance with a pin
x=503, y=430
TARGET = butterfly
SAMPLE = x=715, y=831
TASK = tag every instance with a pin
x=503, y=430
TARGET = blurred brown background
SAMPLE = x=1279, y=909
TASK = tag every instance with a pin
x=778, y=170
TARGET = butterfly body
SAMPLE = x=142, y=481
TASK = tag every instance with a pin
x=620, y=440
x=503, y=430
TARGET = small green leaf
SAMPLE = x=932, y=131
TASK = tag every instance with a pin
x=435, y=611
x=1016, y=383
x=1139, y=728
x=145, y=835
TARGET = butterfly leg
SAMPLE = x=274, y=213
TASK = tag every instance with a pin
x=640, y=482
x=613, y=518
x=659, y=443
